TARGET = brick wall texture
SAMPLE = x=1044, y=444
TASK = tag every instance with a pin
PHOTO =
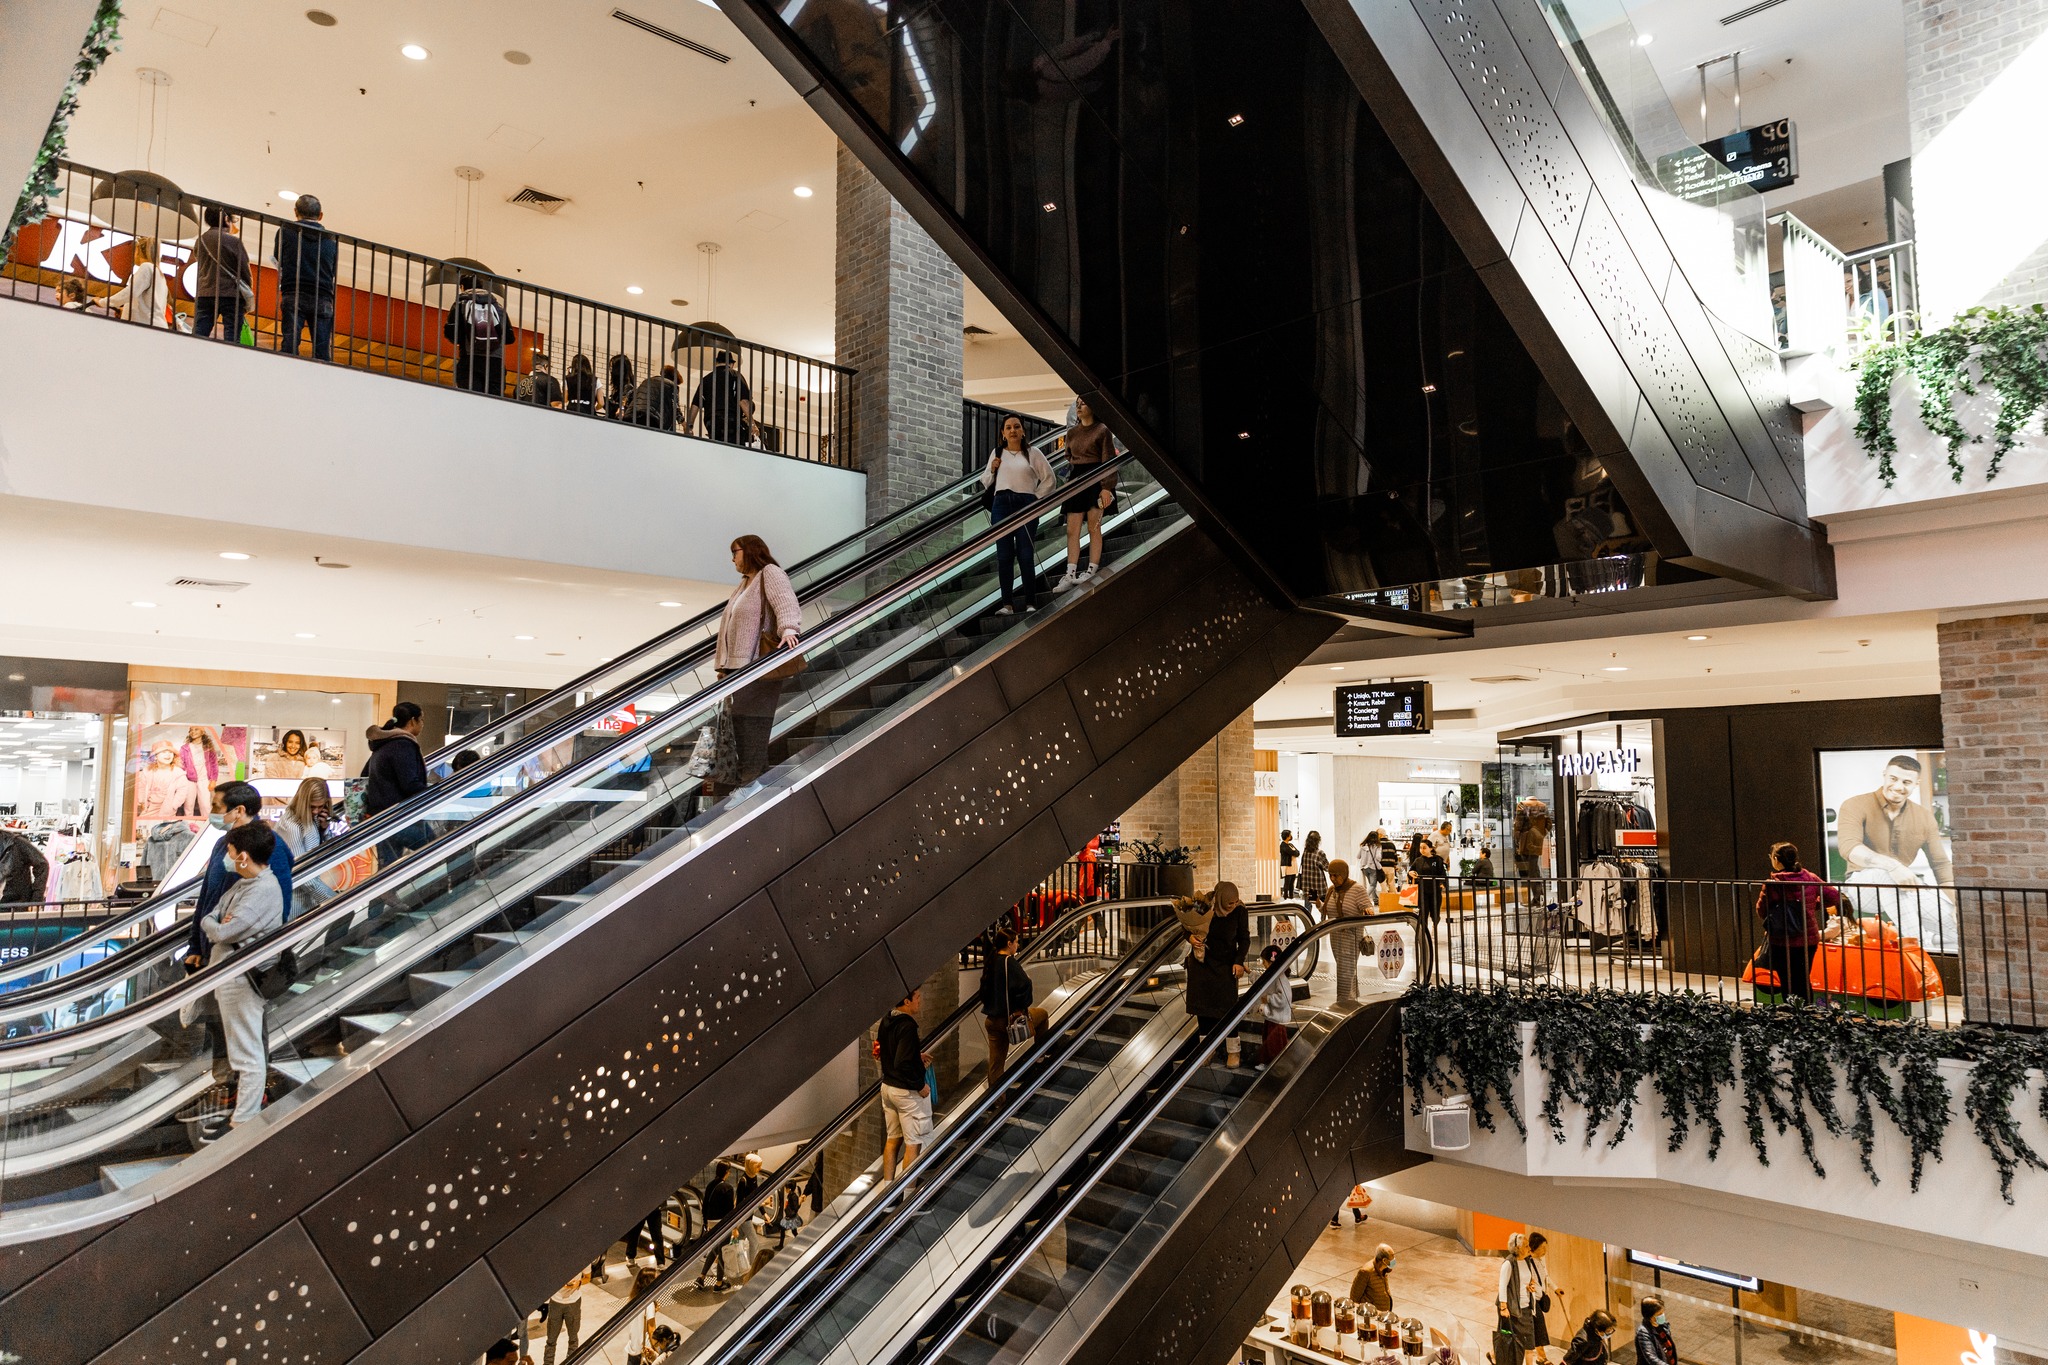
x=1954, y=49
x=1207, y=803
x=1994, y=725
x=898, y=314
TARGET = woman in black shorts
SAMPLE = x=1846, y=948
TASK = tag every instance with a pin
x=1088, y=443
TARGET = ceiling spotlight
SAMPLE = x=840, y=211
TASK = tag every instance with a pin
x=1643, y=40
x=415, y=52
x=17, y=677
x=802, y=191
x=1236, y=120
x=336, y=701
x=305, y=635
x=668, y=604
x=1698, y=637
x=186, y=693
x=634, y=289
x=288, y=196
x=1336, y=668
x=1429, y=388
x=1049, y=206
x=522, y=637
x=1244, y=436
x=144, y=605
x=262, y=697
x=233, y=554
x=1615, y=668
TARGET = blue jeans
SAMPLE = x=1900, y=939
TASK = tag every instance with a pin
x=297, y=314
x=226, y=307
x=1015, y=551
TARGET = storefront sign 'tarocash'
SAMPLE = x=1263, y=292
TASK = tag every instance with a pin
x=1600, y=762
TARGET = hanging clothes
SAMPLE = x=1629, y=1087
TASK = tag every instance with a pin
x=79, y=878
x=166, y=843
x=1606, y=908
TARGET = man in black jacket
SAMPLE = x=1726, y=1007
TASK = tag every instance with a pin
x=396, y=772
x=719, y=1202
x=479, y=326
x=906, y=1098
x=1005, y=994
x=306, y=262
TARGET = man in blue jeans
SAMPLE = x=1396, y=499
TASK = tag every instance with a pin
x=306, y=259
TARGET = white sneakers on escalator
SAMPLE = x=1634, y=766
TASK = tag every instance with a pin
x=1074, y=578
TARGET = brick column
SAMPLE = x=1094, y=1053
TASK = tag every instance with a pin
x=861, y=1145
x=898, y=314
x=1207, y=803
x=1994, y=725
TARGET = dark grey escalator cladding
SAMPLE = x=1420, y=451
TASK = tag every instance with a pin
x=700, y=926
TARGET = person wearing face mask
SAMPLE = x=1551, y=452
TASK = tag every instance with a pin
x=1654, y=1345
x=1589, y=1347
x=246, y=911
x=1370, y=1285
x=235, y=805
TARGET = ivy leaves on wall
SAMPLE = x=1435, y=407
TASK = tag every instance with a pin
x=100, y=42
x=1995, y=349
x=1798, y=1069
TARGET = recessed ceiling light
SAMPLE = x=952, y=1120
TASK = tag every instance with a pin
x=186, y=693
x=634, y=289
x=262, y=697
x=1615, y=668
x=518, y=58
x=1049, y=206
x=305, y=635
x=1698, y=637
x=288, y=196
x=336, y=700
x=1429, y=388
x=233, y=554
x=522, y=637
x=802, y=191
x=415, y=51
x=144, y=605
x=555, y=653
x=17, y=677
x=1643, y=41
x=668, y=604
x=1236, y=120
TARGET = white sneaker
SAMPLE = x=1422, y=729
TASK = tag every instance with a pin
x=1006, y=610
x=1090, y=572
x=1069, y=580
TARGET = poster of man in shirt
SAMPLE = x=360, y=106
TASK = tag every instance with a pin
x=1886, y=813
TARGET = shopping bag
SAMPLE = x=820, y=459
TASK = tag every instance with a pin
x=1390, y=903
x=716, y=756
x=1756, y=974
x=736, y=1258
x=1879, y=965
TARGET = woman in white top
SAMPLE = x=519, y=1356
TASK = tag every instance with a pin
x=1019, y=477
x=761, y=615
x=1521, y=1300
x=142, y=298
x=303, y=826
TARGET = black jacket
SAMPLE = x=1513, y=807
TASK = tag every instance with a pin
x=996, y=1003
x=306, y=257
x=23, y=868
x=719, y=1201
x=396, y=770
x=477, y=322
x=1212, y=989
x=902, y=1059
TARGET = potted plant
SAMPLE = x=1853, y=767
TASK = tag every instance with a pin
x=1174, y=864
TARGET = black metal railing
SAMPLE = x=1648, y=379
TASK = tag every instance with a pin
x=981, y=431
x=1945, y=955
x=394, y=312
x=1075, y=882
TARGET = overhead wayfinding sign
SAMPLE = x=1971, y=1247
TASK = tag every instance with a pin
x=1764, y=158
x=1401, y=708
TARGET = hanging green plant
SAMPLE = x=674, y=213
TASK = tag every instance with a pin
x=100, y=41
x=2002, y=350
x=1790, y=1066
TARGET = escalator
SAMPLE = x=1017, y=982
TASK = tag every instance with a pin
x=515, y=1036
x=572, y=721
x=1102, y=1159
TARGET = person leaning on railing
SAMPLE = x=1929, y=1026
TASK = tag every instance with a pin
x=1347, y=900
x=1793, y=906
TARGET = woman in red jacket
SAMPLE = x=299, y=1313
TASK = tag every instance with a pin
x=1793, y=905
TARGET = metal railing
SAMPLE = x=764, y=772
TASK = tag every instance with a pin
x=1514, y=587
x=1828, y=300
x=981, y=431
x=1945, y=955
x=392, y=311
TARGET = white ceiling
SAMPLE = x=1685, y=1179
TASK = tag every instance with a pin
x=1814, y=659
x=397, y=612
x=656, y=147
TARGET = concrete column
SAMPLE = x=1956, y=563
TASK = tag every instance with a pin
x=1994, y=726
x=898, y=315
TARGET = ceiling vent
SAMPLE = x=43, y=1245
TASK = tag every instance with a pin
x=678, y=39
x=208, y=584
x=540, y=201
x=1742, y=14
x=1507, y=678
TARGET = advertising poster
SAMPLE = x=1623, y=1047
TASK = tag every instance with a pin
x=290, y=753
x=178, y=766
x=1886, y=816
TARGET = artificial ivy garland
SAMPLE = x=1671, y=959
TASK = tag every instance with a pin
x=2004, y=350
x=1790, y=1064
x=100, y=41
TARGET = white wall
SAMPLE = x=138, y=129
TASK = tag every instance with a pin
x=140, y=419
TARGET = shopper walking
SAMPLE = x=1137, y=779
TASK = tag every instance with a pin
x=565, y=1310
x=146, y=297
x=718, y=1204
x=1537, y=1266
x=1595, y=1336
x=540, y=387
x=1350, y=902
x=1515, y=1301
x=1019, y=476
x=1214, y=971
x=303, y=826
x=1005, y=996
x=307, y=260
x=396, y=772
x=1290, y=859
x=906, y=1097
x=580, y=389
x=479, y=326
x=225, y=287
x=1369, y=862
x=1315, y=869
x=761, y=616
x=1370, y=1284
x=1793, y=905
x=656, y=401
x=1654, y=1345
x=249, y=909
x=1088, y=445
x=725, y=403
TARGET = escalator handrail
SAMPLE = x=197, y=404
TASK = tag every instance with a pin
x=716, y=1235
x=1100, y=1167
x=386, y=822
x=305, y=928
x=1025, y=1082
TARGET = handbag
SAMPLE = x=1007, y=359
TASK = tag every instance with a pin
x=771, y=643
x=1018, y=1031
x=276, y=979
x=716, y=755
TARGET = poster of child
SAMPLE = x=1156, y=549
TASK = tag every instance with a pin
x=177, y=766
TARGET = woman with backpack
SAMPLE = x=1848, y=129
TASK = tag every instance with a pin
x=1793, y=905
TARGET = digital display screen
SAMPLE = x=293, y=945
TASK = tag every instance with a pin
x=1764, y=158
x=1401, y=708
